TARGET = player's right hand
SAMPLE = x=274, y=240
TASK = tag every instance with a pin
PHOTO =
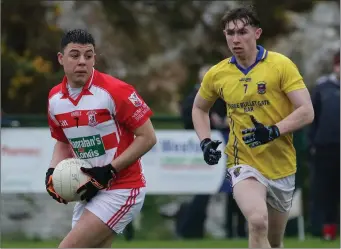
x=100, y=178
x=209, y=149
x=49, y=187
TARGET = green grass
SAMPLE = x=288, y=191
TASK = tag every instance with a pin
x=207, y=243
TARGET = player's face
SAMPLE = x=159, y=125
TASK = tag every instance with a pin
x=241, y=38
x=78, y=61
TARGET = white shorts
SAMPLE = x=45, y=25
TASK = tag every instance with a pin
x=279, y=192
x=116, y=208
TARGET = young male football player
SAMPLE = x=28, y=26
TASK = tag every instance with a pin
x=266, y=101
x=98, y=118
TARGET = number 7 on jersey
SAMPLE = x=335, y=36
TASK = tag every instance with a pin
x=245, y=86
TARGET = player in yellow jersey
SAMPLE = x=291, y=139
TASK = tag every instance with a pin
x=266, y=101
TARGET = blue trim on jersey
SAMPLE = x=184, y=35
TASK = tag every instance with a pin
x=261, y=55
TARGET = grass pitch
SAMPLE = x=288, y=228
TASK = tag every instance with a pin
x=206, y=243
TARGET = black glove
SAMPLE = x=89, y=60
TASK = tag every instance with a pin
x=49, y=187
x=101, y=178
x=209, y=148
x=260, y=134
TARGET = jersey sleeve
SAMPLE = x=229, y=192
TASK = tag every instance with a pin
x=55, y=129
x=131, y=110
x=206, y=89
x=291, y=78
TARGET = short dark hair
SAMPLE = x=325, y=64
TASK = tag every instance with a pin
x=247, y=15
x=79, y=36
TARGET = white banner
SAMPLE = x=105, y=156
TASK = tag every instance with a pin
x=25, y=156
x=174, y=166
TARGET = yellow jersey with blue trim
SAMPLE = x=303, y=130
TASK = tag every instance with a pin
x=260, y=90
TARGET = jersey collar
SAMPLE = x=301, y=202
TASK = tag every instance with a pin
x=85, y=90
x=261, y=55
x=86, y=86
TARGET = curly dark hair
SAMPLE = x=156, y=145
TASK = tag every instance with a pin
x=247, y=15
x=79, y=36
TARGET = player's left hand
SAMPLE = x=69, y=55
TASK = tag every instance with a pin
x=49, y=186
x=101, y=178
x=259, y=134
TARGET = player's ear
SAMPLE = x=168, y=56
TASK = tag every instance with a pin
x=258, y=33
x=60, y=58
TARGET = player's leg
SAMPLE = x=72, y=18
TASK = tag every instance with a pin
x=280, y=196
x=331, y=202
x=277, y=224
x=250, y=195
x=107, y=242
x=241, y=222
x=113, y=210
x=89, y=231
x=322, y=192
x=331, y=192
x=229, y=215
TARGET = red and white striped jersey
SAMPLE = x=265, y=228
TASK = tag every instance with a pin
x=99, y=123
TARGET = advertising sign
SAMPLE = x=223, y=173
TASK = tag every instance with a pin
x=175, y=165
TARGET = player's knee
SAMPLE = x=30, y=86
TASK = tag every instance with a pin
x=258, y=222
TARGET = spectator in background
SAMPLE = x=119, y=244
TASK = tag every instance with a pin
x=217, y=114
x=324, y=138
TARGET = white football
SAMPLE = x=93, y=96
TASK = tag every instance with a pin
x=67, y=178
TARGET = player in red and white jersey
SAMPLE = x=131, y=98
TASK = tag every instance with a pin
x=98, y=118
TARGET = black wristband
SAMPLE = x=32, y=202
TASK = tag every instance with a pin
x=112, y=168
x=203, y=142
x=275, y=131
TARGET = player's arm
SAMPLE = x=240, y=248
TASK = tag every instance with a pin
x=301, y=116
x=62, y=148
x=61, y=151
x=200, y=116
x=203, y=102
x=134, y=114
x=291, y=83
x=145, y=139
x=201, y=122
x=293, y=86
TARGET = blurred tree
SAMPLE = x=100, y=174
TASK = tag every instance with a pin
x=164, y=43
x=30, y=41
x=181, y=21
x=29, y=66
